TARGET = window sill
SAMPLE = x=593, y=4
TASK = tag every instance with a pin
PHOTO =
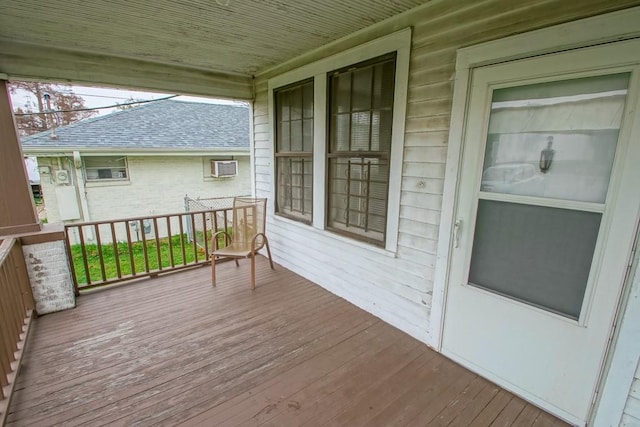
x=331, y=235
x=302, y=221
x=107, y=183
x=218, y=178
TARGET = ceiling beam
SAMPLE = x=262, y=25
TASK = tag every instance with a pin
x=26, y=61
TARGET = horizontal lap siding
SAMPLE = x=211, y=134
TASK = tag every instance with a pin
x=631, y=415
x=399, y=289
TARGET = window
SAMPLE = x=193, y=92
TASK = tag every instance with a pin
x=105, y=168
x=341, y=157
x=294, y=150
x=359, y=148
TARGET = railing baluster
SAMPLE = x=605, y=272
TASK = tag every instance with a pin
x=170, y=237
x=184, y=252
x=116, y=253
x=14, y=326
x=14, y=300
x=96, y=228
x=130, y=247
x=8, y=317
x=206, y=244
x=215, y=230
x=5, y=338
x=155, y=232
x=83, y=248
x=194, y=240
x=72, y=265
x=144, y=246
x=5, y=365
x=22, y=276
x=226, y=225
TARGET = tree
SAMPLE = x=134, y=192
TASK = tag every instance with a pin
x=35, y=116
x=128, y=104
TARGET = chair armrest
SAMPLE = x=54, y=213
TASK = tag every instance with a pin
x=253, y=241
x=214, y=239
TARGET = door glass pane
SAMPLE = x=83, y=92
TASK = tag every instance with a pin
x=538, y=255
x=555, y=140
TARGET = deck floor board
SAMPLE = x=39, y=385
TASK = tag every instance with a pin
x=175, y=350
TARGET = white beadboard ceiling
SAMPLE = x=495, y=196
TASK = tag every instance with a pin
x=222, y=37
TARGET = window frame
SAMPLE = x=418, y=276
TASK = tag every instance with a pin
x=94, y=180
x=398, y=42
x=293, y=154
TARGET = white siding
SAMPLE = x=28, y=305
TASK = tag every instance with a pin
x=398, y=289
x=157, y=185
x=631, y=416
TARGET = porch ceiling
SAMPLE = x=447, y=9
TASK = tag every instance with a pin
x=227, y=39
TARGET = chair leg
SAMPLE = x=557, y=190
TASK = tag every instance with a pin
x=253, y=271
x=266, y=242
x=213, y=270
x=236, y=260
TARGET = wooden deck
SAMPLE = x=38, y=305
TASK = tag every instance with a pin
x=174, y=350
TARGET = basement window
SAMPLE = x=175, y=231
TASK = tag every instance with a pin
x=103, y=168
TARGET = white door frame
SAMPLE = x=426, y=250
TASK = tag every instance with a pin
x=605, y=28
x=624, y=352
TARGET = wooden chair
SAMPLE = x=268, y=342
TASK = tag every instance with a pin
x=247, y=236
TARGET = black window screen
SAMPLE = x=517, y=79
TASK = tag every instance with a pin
x=535, y=254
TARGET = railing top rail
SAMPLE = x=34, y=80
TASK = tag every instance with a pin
x=140, y=218
x=5, y=248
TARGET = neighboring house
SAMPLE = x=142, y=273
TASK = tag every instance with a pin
x=31, y=165
x=467, y=171
x=143, y=161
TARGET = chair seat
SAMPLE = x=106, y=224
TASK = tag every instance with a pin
x=236, y=249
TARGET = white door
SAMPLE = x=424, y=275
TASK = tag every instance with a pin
x=548, y=200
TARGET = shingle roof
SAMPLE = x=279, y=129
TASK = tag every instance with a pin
x=167, y=124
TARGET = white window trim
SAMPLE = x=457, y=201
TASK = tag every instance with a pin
x=399, y=42
x=600, y=29
x=105, y=180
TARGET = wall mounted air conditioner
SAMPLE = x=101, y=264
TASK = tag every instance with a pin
x=224, y=168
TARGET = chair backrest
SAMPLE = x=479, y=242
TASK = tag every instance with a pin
x=249, y=216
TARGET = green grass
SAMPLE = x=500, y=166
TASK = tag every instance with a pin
x=137, y=248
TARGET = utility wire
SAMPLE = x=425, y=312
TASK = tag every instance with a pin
x=95, y=108
x=89, y=95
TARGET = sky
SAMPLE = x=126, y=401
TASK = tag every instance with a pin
x=96, y=97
